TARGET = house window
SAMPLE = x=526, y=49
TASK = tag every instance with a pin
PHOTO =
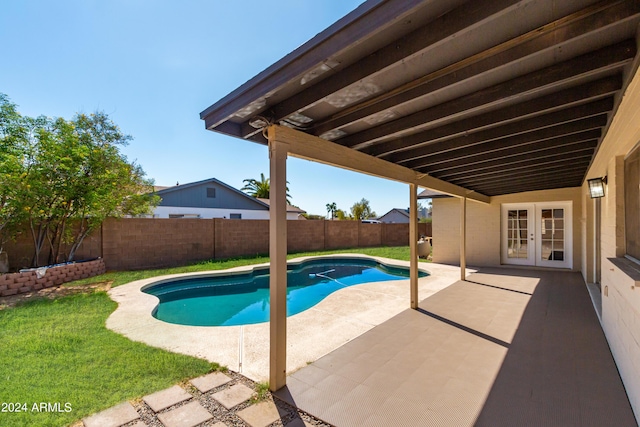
x=211, y=193
x=235, y=216
x=632, y=202
x=184, y=216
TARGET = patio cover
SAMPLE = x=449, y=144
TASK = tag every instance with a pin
x=494, y=96
x=470, y=98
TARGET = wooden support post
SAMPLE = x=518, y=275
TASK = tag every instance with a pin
x=463, y=238
x=278, y=264
x=413, y=244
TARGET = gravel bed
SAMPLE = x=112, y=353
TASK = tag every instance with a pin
x=228, y=416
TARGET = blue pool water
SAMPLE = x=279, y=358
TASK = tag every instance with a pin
x=241, y=299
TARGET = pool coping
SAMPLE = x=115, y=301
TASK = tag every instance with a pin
x=334, y=321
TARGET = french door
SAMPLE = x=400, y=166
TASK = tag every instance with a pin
x=537, y=234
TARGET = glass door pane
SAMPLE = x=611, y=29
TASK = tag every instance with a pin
x=552, y=234
x=517, y=233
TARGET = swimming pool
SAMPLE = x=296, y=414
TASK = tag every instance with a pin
x=243, y=298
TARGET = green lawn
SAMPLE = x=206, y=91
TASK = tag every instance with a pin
x=60, y=352
x=122, y=277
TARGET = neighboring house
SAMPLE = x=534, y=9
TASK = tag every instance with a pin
x=212, y=198
x=293, y=212
x=401, y=216
x=395, y=215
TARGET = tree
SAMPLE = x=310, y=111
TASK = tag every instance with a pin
x=13, y=134
x=361, y=210
x=70, y=177
x=331, y=209
x=260, y=189
x=342, y=215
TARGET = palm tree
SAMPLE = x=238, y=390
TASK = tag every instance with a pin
x=255, y=188
x=331, y=209
x=260, y=189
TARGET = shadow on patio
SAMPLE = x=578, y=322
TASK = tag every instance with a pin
x=506, y=347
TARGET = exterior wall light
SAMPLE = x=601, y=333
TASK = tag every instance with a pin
x=596, y=187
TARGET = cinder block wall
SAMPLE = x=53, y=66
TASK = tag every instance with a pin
x=138, y=243
x=305, y=236
x=341, y=234
x=240, y=237
x=20, y=251
x=370, y=235
x=135, y=243
x=395, y=235
x=621, y=301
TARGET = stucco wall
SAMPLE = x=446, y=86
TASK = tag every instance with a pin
x=620, y=277
x=483, y=226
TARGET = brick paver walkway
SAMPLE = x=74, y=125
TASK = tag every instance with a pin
x=213, y=400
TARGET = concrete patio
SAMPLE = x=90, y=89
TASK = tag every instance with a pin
x=505, y=347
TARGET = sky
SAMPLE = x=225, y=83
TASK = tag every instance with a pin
x=154, y=65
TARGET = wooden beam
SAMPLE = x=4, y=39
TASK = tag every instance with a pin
x=463, y=238
x=522, y=132
x=449, y=25
x=535, y=187
x=559, y=153
x=413, y=245
x=572, y=72
x=532, y=144
x=578, y=95
x=311, y=147
x=511, y=170
x=278, y=263
x=555, y=34
x=518, y=174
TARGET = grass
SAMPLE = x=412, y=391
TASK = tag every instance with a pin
x=121, y=277
x=261, y=393
x=59, y=351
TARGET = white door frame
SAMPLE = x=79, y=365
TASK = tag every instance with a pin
x=526, y=234
x=535, y=230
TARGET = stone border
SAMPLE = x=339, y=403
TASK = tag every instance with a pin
x=28, y=281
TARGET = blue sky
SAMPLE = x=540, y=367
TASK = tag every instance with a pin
x=154, y=65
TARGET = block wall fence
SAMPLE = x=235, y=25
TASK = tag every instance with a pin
x=138, y=243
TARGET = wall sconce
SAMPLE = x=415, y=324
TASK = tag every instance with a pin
x=596, y=187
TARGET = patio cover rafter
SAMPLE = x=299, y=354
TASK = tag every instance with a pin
x=423, y=84
x=309, y=147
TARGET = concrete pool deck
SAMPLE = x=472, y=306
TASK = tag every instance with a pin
x=336, y=320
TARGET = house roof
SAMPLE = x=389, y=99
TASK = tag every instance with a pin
x=180, y=187
x=402, y=212
x=494, y=96
x=430, y=194
x=160, y=190
x=290, y=208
